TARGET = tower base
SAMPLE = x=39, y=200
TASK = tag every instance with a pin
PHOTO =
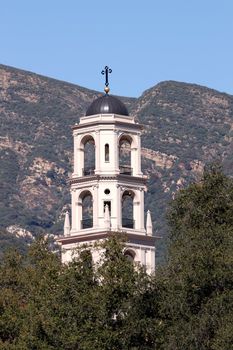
x=139, y=248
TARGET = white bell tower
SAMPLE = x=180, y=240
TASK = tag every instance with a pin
x=107, y=185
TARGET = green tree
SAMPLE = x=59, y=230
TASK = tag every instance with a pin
x=196, y=298
x=47, y=305
x=12, y=299
x=115, y=305
x=121, y=289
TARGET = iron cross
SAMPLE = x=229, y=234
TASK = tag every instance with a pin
x=105, y=72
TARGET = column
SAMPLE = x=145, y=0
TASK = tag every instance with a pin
x=78, y=156
x=138, y=155
x=116, y=152
x=97, y=152
x=119, y=206
x=138, y=206
x=143, y=257
x=95, y=199
x=73, y=210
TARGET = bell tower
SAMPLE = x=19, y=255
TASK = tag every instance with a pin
x=107, y=184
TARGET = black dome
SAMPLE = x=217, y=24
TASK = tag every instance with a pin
x=107, y=105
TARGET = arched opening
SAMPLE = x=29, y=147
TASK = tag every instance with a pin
x=125, y=155
x=127, y=209
x=130, y=255
x=87, y=210
x=86, y=266
x=106, y=152
x=86, y=257
x=88, y=144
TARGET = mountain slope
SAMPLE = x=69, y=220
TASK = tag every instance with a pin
x=36, y=146
x=191, y=124
x=186, y=125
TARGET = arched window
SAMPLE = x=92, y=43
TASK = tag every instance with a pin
x=87, y=210
x=130, y=255
x=127, y=209
x=87, y=267
x=86, y=257
x=106, y=152
x=125, y=155
x=89, y=155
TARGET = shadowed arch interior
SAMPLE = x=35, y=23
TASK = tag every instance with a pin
x=87, y=209
x=130, y=254
x=125, y=143
x=88, y=145
x=127, y=209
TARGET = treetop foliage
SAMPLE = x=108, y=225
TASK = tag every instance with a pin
x=187, y=304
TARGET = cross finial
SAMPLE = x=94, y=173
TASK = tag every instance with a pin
x=105, y=72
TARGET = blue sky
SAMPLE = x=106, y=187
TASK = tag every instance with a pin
x=143, y=41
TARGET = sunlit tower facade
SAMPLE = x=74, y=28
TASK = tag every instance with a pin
x=107, y=185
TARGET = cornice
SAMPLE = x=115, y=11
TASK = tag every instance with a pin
x=118, y=177
x=110, y=122
x=131, y=238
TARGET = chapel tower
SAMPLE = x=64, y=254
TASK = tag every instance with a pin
x=107, y=184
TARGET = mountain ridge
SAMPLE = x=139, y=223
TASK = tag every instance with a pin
x=185, y=127
x=56, y=80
